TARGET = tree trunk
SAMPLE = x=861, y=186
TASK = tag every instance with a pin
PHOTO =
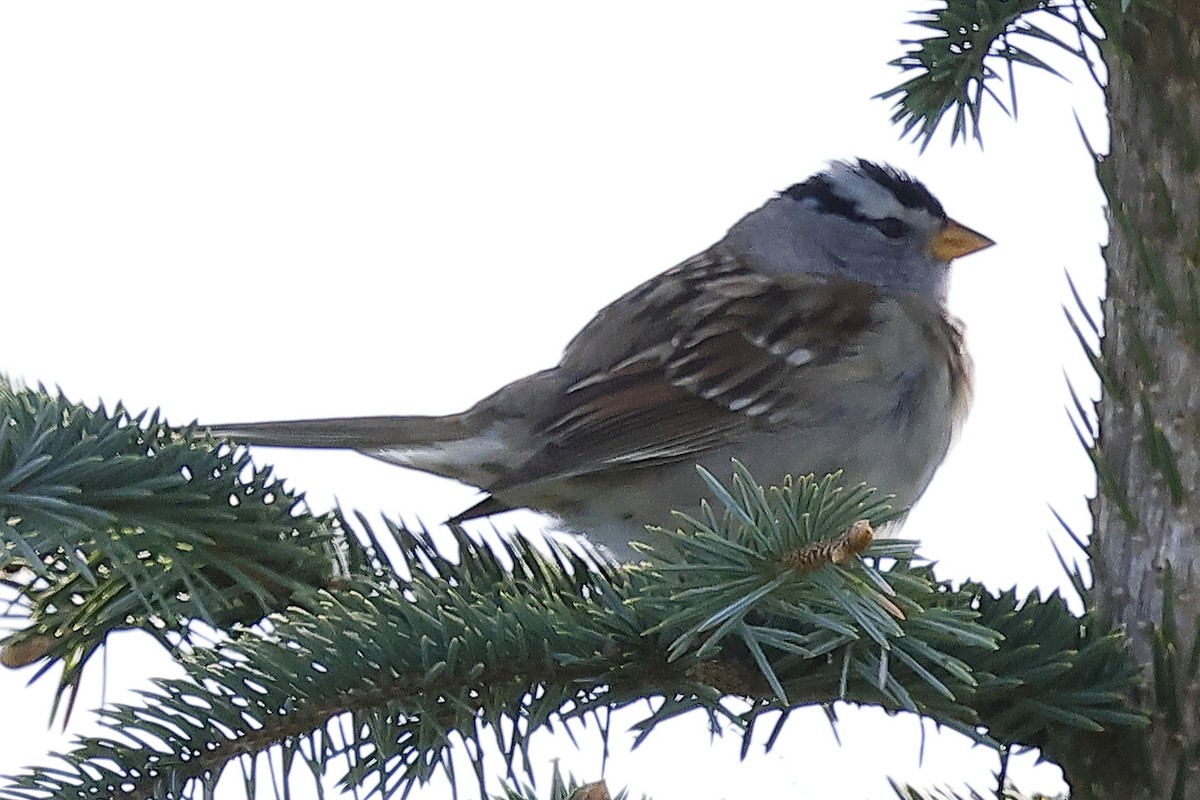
x=1146, y=544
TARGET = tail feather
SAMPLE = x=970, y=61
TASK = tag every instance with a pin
x=450, y=446
x=352, y=433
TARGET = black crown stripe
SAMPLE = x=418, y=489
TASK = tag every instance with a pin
x=910, y=192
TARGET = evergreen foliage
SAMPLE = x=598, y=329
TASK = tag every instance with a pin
x=115, y=521
x=972, y=48
x=389, y=666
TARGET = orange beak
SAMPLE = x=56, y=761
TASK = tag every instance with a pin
x=957, y=240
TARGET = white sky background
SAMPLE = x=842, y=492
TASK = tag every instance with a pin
x=240, y=211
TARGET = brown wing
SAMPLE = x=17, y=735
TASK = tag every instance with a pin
x=690, y=360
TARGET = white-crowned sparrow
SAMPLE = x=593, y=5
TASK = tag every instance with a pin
x=813, y=337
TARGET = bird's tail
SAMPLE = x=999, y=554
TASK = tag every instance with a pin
x=350, y=433
x=450, y=446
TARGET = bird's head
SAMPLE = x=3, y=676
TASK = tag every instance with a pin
x=860, y=220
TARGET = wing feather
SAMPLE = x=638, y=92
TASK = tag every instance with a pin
x=688, y=362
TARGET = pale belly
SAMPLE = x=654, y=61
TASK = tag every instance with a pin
x=897, y=459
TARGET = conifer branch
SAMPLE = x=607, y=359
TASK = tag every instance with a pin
x=428, y=654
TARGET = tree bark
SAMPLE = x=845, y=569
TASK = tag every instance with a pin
x=1146, y=543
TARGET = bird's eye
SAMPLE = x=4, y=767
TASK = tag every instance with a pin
x=890, y=227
